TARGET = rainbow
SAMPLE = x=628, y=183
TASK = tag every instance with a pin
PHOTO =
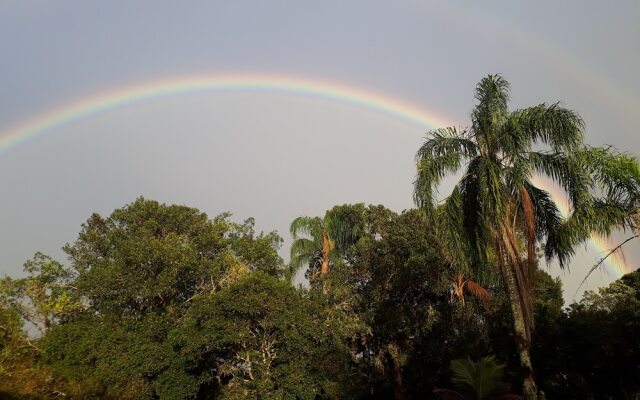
x=127, y=95
x=70, y=112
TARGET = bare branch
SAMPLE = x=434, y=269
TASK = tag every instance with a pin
x=601, y=260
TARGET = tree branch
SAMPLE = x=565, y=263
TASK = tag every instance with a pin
x=599, y=263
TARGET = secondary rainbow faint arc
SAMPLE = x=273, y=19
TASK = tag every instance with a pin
x=139, y=92
x=73, y=111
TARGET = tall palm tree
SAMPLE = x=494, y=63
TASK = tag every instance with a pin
x=319, y=240
x=496, y=213
x=311, y=243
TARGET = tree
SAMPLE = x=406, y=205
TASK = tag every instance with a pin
x=402, y=292
x=496, y=206
x=45, y=296
x=591, y=351
x=316, y=240
x=20, y=375
x=261, y=338
x=138, y=273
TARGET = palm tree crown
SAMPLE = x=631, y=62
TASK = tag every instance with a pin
x=317, y=241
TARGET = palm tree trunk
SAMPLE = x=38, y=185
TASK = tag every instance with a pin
x=521, y=336
x=326, y=247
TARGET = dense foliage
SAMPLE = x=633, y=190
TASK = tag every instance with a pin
x=163, y=302
x=387, y=322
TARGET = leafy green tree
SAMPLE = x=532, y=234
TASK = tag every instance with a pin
x=591, y=351
x=138, y=273
x=402, y=291
x=29, y=306
x=45, y=295
x=21, y=377
x=152, y=257
x=262, y=338
x=496, y=202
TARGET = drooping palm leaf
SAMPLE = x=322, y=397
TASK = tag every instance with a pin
x=478, y=291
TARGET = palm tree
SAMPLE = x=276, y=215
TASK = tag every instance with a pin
x=495, y=212
x=318, y=241
x=311, y=244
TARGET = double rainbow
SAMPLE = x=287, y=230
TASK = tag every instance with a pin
x=68, y=113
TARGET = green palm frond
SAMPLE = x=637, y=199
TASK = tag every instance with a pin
x=558, y=127
x=568, y=173
x=302, y=251
x=306, y=226
x=490, y=113
x=345, y=224
x=447, y=140
x=450, y=226
x=479, y=380
x=616, y=174
x=431, y=170
x=546, y=211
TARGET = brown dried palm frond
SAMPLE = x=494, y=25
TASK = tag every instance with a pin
x=478, y=291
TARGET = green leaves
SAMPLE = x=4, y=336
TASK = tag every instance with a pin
x=558, y=127
x=148, y=257
x=480, y=380
x=263, y=339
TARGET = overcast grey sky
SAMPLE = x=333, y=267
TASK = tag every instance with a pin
x=265, y=154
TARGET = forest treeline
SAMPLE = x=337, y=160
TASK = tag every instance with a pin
x=447, y=301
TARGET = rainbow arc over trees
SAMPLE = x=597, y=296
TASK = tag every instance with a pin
x=131, y=94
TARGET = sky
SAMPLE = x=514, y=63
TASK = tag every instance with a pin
x=277, y=154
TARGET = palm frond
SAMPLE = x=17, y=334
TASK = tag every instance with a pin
x=478, y=291
x=345, y=224
x=616, y=174
x=492, y=94
x=546, y=211
x=566, y=172
x=450, y=228
x=472, y=223
x=560, y=128
x=480, y=380
x=447, y=140
x=430, y=172
x=309, y=226
x=302, y=251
